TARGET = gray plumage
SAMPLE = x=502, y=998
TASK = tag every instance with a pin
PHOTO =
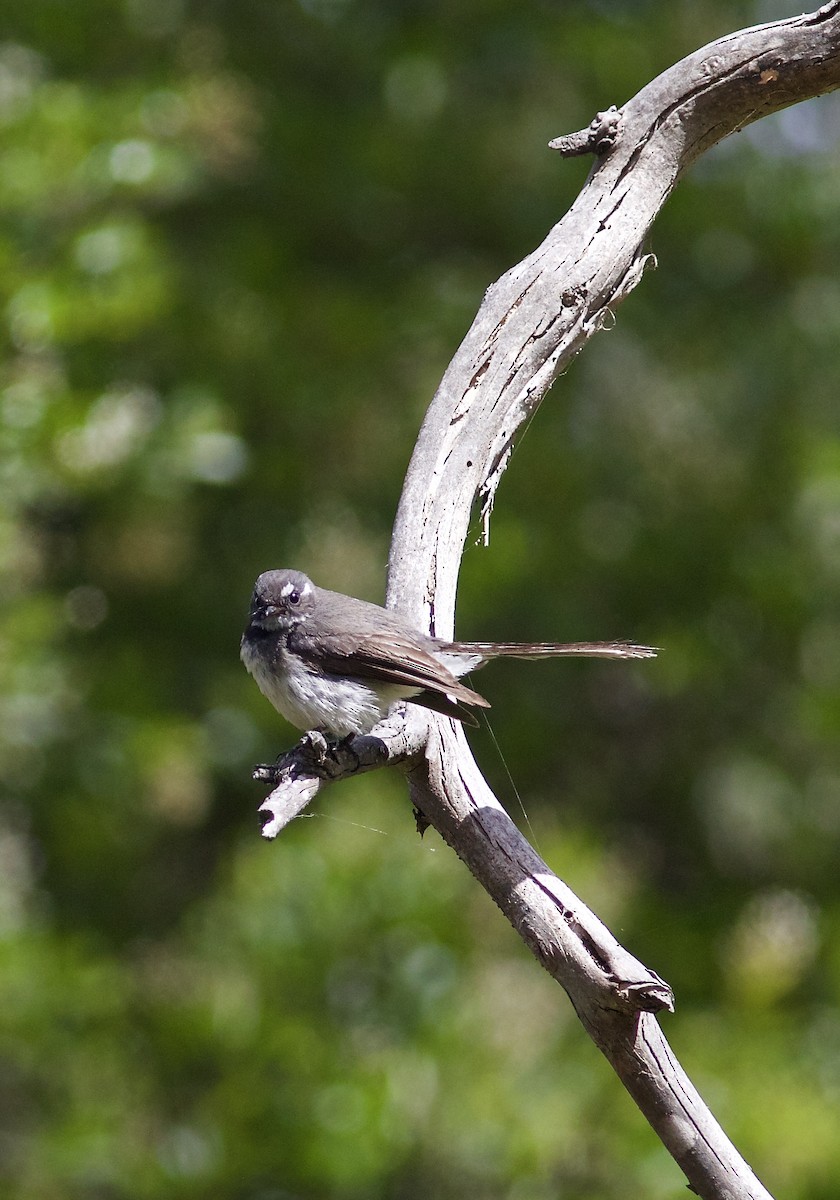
x=333, y=663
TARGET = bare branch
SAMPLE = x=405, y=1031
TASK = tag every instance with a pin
x=538, y=316
x=532, y=322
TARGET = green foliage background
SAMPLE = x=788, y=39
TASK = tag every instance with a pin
x=240, y=241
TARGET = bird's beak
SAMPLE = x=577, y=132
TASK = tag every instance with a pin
x=260, y=612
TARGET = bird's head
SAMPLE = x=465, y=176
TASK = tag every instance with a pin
x=281, y=599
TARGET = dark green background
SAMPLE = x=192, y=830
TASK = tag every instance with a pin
x=240, y=241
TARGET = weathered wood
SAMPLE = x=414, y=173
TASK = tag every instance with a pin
x=531, y=324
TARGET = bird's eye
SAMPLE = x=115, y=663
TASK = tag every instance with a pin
x=294, y=598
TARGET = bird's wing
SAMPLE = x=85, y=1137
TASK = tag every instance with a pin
x=389, y=656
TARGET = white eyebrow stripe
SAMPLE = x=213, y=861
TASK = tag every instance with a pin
x=288, y=588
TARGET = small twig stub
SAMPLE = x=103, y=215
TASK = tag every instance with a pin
x=598, y=138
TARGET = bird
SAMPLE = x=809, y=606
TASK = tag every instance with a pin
x=335, y=665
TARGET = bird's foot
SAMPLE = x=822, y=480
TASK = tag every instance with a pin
x=311, y=750
x=314, y=745
x=314, y=753
x=327, y=758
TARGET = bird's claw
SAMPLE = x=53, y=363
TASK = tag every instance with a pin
x=315, y=746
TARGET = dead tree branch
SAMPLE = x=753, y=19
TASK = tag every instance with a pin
x=532, y=322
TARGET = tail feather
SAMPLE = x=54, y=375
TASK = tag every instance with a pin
x=487, y=650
